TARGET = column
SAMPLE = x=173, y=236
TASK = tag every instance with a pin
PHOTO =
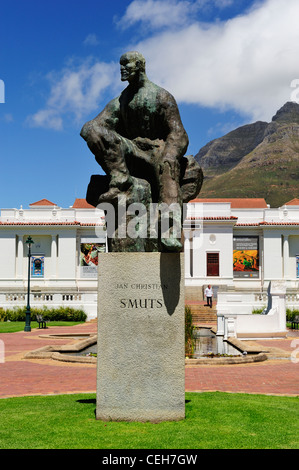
x=54, y=256
x=20, y=258
x=286, y=256
x=197, y=259
x=187, y=250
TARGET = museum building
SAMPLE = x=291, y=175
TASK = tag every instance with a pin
x=236, y=245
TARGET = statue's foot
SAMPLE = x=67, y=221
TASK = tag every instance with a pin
x=118, y=185
x=109, y=196
x=171, y=244
x=121, y=181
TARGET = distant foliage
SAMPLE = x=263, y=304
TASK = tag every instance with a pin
x=189, y=330
x=52, y=314
x=258, y=311
x=291, y=314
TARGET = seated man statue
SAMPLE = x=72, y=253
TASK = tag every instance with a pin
x=140, y=135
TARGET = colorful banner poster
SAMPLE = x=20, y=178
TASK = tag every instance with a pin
x=37, y=266
x=246, y=257
x=89, y=258
x=297, y=266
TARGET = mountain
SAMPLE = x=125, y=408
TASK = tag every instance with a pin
x=256, y=160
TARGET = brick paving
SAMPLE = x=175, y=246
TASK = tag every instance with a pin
x=271, y=377
x=25, y=377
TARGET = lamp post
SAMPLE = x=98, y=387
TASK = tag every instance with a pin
x=29, y=242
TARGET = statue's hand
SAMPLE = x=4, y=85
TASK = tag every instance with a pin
x=147, y=144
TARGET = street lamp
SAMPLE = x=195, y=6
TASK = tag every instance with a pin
x=29, y=242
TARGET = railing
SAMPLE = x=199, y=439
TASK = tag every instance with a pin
x=15, y=297
x=67, y=297
x=41, y=297
x=262, y=297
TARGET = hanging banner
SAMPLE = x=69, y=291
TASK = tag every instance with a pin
x=89, y=258
x=246, y=257
x=37, y=266
x=297, y=266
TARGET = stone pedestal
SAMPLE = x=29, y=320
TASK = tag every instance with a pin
x=141, y=337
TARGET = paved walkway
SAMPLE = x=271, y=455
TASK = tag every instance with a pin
x=23, y=377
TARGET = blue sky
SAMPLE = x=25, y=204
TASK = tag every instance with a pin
x=227, y=62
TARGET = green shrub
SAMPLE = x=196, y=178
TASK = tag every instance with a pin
x=291, y=314
x=258, y=311
x=52, y=314
x=189, y=329
x=3, y=316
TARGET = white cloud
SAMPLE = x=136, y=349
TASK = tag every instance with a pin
x=75, y=91
x=48, y=118
x=157, y=14
x=246, y=63
x=91, y=40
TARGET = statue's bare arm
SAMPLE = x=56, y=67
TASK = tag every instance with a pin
x=107, y=119
x=177, y=139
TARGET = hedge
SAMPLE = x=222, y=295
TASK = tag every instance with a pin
x=189, y=330
x=290, y=314
x=52, y=314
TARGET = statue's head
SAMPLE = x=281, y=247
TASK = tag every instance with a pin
x=131, y=65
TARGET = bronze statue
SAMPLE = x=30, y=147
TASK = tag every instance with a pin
x=140, y=142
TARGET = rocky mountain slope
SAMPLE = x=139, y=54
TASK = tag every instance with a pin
x=255, y=160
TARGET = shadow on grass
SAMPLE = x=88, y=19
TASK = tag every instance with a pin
x=93, y=401
x=87, y=401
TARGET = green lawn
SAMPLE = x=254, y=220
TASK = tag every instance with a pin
x=214, y=420
x=14, y=326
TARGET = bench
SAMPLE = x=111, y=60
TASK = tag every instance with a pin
x=295, y=322
x=42, y=322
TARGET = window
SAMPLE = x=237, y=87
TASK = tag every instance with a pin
x=212, y=264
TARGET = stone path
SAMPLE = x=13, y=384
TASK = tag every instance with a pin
x=23, y=377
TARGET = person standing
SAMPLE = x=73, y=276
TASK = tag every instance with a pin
x=209, y=295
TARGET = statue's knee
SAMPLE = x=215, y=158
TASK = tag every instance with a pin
x=108, y=138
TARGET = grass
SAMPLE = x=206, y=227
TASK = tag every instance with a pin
x=214, y=420
x=14, y=326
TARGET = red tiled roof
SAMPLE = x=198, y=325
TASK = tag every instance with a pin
x=212, y=218
x=82, y=204
x=293, y=202
x=80, y=224
x=250, y=224
x=258, y=224
x=43, y=202
x=238, y=203
x=279, y=223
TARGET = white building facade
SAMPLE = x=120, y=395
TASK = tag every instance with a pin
x=59, y=273
x=236, y=245
x=241, y=245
